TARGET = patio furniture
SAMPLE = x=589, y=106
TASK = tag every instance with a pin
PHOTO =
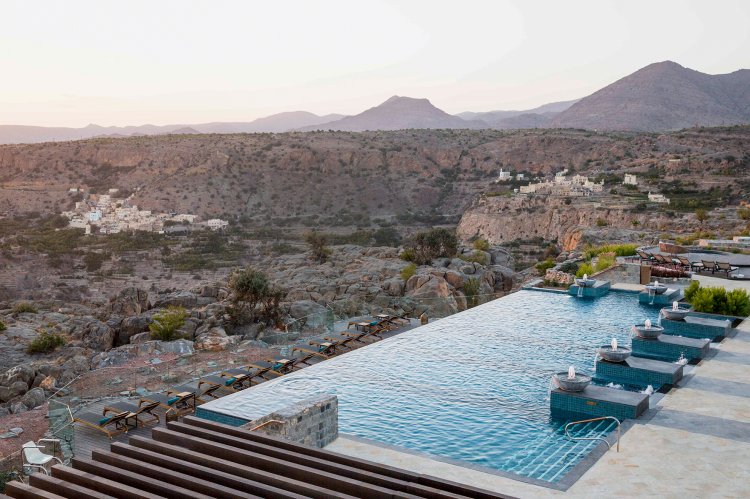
x=174, y=401
x=645, y=257
x=329, y=348
x=143, y=407
x=265, y=369
x=244, y=377
x=109, y=425
x=663, y=260
x=306, y=355
x=209, y=385
x=709, y=266
x=33, y=457
x=725, y=267
x=686, y=264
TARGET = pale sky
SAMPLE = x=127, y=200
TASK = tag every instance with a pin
x=70, y=63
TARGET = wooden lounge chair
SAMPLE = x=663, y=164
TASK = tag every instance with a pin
x=709, y=266
x=143, y=408
x=209, y=385
x=645, y=257
x=684, y=263
x=283, y=365
x=349, y=341
x=110, y=425
x=176, y=402
x=329, y=348
x=265, y=369
x=725, y=267
x=663, y=260
x=306, y=355
x=244, y=378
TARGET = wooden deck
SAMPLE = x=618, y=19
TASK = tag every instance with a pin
x=87, y=439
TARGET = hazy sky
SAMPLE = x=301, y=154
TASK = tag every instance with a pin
x=71, y=62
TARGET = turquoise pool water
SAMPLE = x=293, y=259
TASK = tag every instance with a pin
x=472, y=387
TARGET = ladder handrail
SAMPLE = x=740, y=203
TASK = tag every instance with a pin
x=572, y=423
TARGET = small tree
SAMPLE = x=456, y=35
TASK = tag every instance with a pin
x=471, y=290
x=255, y=298
x=434, y=243
x=167, y=322
x=317, y=243
x=701, y=215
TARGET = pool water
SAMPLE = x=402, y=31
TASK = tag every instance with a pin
x=472, y=387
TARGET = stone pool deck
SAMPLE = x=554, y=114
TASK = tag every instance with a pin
x=693, y=442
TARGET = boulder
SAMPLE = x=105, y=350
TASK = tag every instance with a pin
x=140, y=338
x=48, y=383
x=309, y=314
x=434, y=294
x=394, y=286
x=129, y=301
x=184, y=299
x=94, y=334
x=131, y=326
x=18, y=388
x=215, y=340
x=18, y=408
x=454, y=278
x=33, y=398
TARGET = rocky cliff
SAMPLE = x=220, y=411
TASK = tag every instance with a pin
x=501, y=220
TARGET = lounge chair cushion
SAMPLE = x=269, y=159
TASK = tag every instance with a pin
x=230, y=381
x=104, y=421
x=172, y=400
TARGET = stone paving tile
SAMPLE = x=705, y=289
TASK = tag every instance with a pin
x=708, y=404
x=729, y=371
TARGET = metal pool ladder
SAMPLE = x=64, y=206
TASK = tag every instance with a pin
x=573, y=423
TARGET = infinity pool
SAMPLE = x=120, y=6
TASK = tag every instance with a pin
x=472, y=387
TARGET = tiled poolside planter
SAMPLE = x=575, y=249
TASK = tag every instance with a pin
x=697, y=327
x=670, y=348
x=664, y=299
x=639, y=371
x=596, y=401
x=600, y=288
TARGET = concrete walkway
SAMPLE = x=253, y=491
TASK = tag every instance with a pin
x=694, y=443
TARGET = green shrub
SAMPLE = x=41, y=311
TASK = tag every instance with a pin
x=691, y=290
x=569, y=267
x=3, y=327
x=45, y=342
x=585, y=268
x=471, y=290
x=476, y=257
x=481, y=245
x=434, y=243
x=604, y=262
x=166, y=323
x=407, y=255
x=600, y=222
x=317, y=243
x=24, y=307
x=617, y=249
x=716, y=300
x=542, y=267
x=408, y=271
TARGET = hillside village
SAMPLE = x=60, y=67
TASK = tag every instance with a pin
x=109, y=214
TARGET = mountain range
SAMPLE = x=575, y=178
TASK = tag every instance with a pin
x=659, y=97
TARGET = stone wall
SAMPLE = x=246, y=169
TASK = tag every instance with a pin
x=629, y=273
x=61, y=427
x=313, y=421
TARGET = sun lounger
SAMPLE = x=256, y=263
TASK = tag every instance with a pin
x=306, y=355
x=684, y=263
x=111, y=425
x=143, y=408
x=725, y=267
x=663, y=260
x=209, y=385
x=244, y=378
x=265, y=369
x=645, y=257
x=709, y=266
x=174, y=401
x=283, y=365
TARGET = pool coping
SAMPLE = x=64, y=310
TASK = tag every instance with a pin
x=562, y=485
